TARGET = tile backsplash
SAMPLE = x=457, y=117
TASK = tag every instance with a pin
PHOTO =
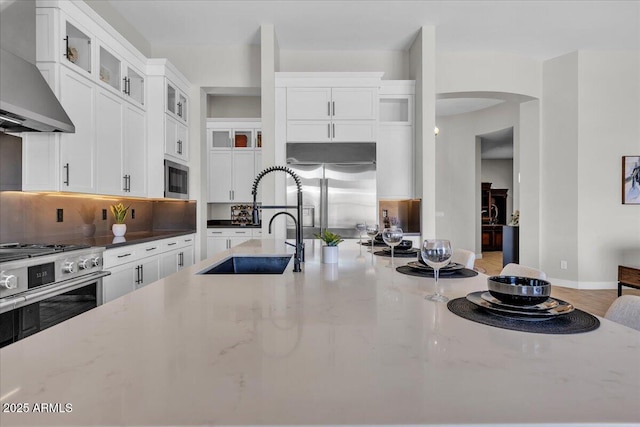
x=28, y=216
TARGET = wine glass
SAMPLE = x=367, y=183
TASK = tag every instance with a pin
x=436, y=254
x=392, y=237
x=361, y=228
x=372, y=231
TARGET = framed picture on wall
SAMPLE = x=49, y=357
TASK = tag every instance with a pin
x=631, y=180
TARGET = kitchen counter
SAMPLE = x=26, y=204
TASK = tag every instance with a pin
x=348, y=344
x=226, y=223
x=109, y=241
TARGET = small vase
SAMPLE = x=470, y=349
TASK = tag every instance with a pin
x=329, y=254
x=119, y=229
x=88, y=230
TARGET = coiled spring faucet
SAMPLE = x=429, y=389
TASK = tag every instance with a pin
x=299, y=255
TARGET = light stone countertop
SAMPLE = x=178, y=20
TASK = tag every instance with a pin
x=352, y=344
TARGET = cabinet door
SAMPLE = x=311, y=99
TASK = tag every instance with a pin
x=76, y=47
x=308, y=103
x=188, y=257
x=182, y=144
x=109, y=69
x=394, y=164
x=182, y=106
x=354, y=104
x=135, y=165
x=171, y=98
x=220, y=168
x=216, y=245
x=354, y=131
x=243, y=167
x=109, y=137
x=170, y=135
x=119, y=283
x=309, y=131
x=150, y=271
x=134, y=85
x=77, y=149
x=168, y=263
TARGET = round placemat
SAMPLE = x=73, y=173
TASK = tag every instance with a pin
x=397, y=254
x=444, y=274
x=575, y=322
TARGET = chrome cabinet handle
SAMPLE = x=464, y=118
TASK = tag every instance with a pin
x=334, y=129
x=66, y=166
x=124, y=256
x=152, y=249
x=141, y=273
x=333, y=107
x=328, y=109
x=328, y=130
x=171, y=244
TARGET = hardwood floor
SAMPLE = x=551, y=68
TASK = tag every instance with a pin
x=595, y=302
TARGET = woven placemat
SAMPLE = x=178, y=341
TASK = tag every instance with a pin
x=397, y=254
x=444, y=274
x=575, y=322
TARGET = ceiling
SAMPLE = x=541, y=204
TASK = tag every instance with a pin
x=497, y=145
x=536, y=28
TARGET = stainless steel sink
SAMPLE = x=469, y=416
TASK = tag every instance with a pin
x=250, y=264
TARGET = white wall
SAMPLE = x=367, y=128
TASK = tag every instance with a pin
x=395, y=64
x=456, y=171
x=591, y=118
x=488, y=72
x=228, y=106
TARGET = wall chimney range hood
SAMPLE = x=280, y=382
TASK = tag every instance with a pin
x=27, y=103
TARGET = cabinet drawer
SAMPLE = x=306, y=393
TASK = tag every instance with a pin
x=229, y=232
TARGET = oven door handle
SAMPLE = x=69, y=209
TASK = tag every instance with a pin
x=11, y=303
x=37, y=295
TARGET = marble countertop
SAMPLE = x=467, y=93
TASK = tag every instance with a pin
x=348, y=344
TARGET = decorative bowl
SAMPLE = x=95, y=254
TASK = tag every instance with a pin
x=519, y=290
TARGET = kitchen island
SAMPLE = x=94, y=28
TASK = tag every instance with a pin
x=348, y=344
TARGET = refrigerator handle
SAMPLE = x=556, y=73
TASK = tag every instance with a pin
x=324, y=204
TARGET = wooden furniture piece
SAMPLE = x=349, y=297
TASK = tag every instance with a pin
x=510, y=245
x=491, y=237
x=628, y=276
x=494, y=204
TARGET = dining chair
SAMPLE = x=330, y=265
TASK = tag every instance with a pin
x=464, y=257
x=513, y=269
x=626, y=311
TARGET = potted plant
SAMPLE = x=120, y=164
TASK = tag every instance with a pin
x=330, y=247
x=120, y=214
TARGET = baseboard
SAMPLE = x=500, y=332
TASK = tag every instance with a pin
x=582, y=285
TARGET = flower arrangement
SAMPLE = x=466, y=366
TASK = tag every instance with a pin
x=119, y=212
x=329, y=238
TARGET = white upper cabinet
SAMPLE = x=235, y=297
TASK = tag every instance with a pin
x=96, y=75
x=330, y=107
x=235, y=157
x=76, y=50
x=177, y=102
x=77, y=150
x=396, y=144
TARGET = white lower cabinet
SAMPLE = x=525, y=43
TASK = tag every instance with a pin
x=135, y=266
x=221, y=239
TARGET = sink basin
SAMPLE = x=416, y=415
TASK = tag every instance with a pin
x=249, y=264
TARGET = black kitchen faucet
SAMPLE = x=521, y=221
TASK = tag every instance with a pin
x=299, y=256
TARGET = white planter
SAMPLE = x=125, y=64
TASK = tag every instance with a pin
x=329, y=254
x=119, y=229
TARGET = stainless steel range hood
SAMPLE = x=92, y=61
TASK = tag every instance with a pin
x=27, y=103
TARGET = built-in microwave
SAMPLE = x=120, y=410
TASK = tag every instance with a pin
x=176, y=180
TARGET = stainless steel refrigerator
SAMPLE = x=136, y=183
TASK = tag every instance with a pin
x=338, y=184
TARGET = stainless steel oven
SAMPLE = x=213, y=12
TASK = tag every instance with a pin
x=176, y=180
x=43, y=285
